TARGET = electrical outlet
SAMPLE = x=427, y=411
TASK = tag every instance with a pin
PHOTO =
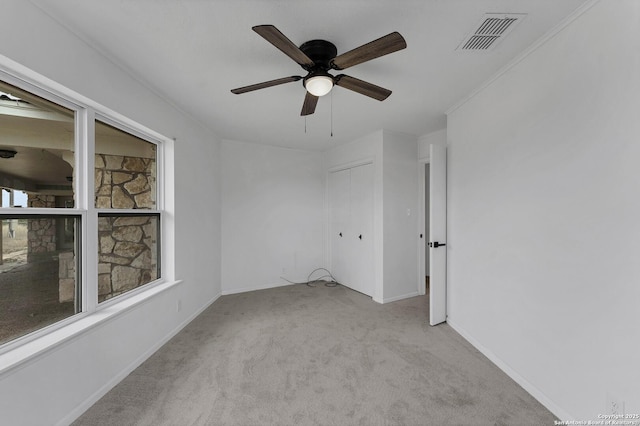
x=178, y=305
x=614, y=405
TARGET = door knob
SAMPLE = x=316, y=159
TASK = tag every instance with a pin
x=360, y=236
x=436, y=244
x=340, y=234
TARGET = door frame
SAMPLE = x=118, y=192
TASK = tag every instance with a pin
x=422, y=241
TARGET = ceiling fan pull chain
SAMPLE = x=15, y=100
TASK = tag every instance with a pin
x=305, y=124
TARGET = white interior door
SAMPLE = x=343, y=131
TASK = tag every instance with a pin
x=339, y=211
x=437, y=235
x=361, y=235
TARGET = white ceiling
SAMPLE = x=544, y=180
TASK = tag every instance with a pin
x=192, y=52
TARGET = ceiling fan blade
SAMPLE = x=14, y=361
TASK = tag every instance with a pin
x=279, y=40
x=266, y=84
x=362, y=87
x=309, y=105
x=380, y=47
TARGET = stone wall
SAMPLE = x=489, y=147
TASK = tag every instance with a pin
x=41, y=233
x=125, y=182
x=127, y=244
x=128, y=247
x=66, y=277
x=41, y=201
x=43, y=246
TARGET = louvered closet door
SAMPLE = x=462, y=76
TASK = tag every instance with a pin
x=361, y=236
x=339, y=212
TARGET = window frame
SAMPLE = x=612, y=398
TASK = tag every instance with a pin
x=86, y=112
x=158, y=211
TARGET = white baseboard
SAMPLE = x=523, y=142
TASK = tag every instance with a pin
x=226, y=292
x=526, y=385
x=396, y=298
x=87, y=403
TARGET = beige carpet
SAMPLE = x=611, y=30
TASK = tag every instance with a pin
x=297, y=355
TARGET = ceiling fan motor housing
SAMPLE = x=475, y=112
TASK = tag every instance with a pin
x=321, y=52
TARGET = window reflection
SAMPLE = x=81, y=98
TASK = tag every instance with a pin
x=39, y=259
x=125, y=170
x=38, y=273
x=36, y=150
x=128, y=252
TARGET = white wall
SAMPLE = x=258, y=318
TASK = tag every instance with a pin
x=438, y=137
x=56, y=386
x=273, y=215
x=543, y=208
x=400, y=215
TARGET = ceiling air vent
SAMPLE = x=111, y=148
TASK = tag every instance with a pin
x=492, y=28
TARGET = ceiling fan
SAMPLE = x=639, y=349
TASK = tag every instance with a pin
x=317, y=57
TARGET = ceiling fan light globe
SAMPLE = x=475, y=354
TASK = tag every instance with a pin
x=319, y=85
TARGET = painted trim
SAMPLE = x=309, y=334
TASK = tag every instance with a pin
x=422, y=228
x=87, y=403
x=513, y=374
x=530, y=50
x=24, y=349
x=396, y=298
x=24, y=353
x=255, y=288
x=56, y=92
x=351, y=165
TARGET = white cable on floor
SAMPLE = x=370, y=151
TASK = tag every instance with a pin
x=311, y=283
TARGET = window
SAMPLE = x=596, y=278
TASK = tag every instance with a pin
x=125, y=179
x=72, y=237
x=38, y=281
x=39, y=260
x=128, y=252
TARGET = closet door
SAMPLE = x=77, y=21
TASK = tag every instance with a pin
x=361, y=235
x=339, y=212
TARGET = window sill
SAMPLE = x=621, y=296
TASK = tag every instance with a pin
x=39, y=346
